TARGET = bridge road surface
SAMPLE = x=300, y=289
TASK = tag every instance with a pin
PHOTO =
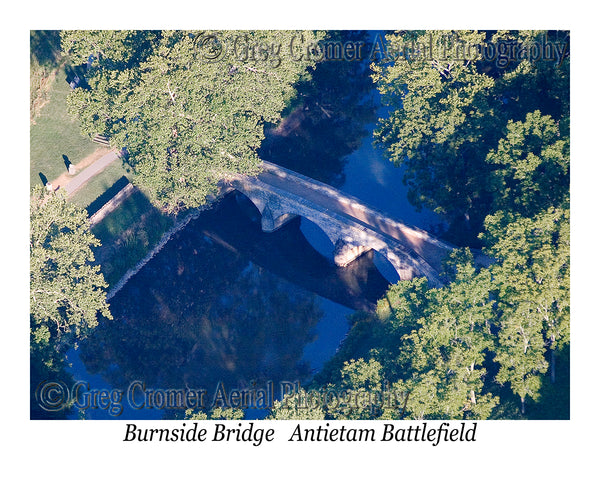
x=433, y=251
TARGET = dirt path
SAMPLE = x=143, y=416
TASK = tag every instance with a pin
x=86, y=162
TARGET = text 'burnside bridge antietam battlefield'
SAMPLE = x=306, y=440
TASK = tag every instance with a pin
x=353, y=227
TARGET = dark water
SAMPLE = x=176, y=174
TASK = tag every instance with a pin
x=224, y=302
x=226, y=306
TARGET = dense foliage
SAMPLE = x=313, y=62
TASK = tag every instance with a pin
x=487, y=147
x=67, y=292
x=189, y=106
x=472, y=136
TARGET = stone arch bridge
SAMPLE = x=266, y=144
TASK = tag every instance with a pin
x=353, y=227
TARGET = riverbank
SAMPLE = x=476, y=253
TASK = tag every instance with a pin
x=179, y=225
x=134, y=232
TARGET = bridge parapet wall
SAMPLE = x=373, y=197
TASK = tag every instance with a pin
x=350, y=238
x=429, y=247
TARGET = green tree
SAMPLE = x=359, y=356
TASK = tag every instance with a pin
x=189, y=106
x=364, y=393
x=433, y=348
x=531, y=166
x=449, y=109
x=302, y=405
x=487, y=146
x=67, y=292
x=439, y=115
x=532, y=277
x=520, y=352
x=444, y=355
x=215, y=414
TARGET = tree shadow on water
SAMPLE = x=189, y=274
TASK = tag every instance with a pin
x=328, y=119
x=198, y=314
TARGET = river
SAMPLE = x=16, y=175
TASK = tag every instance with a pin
x=224, y=305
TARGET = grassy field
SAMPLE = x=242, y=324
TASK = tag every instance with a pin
x=100, y=184
x=136, y=226
x=128, y=234
x=55, y=134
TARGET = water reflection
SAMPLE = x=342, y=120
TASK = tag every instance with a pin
x=287, y=253
x=208, y=308
x=328, y=119
x=225, y=302
x=199, y=314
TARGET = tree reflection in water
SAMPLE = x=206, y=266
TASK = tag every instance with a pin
x=198, y=314
x=328, y=119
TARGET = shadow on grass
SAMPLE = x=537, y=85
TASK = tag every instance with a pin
x=107, y=195
x=45, y=47
x=67, y=161
x=128, y=233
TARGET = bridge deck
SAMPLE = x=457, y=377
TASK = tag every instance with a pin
x=430, y=249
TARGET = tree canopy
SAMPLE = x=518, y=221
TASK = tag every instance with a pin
x=67, y=292
x=457, y=121
x=487, y=146
x=189, y=106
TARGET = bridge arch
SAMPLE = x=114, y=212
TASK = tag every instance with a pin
x=317, y=237
x=389, y=264
x=385, y=267
x=352, y=227
x=246, y=205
